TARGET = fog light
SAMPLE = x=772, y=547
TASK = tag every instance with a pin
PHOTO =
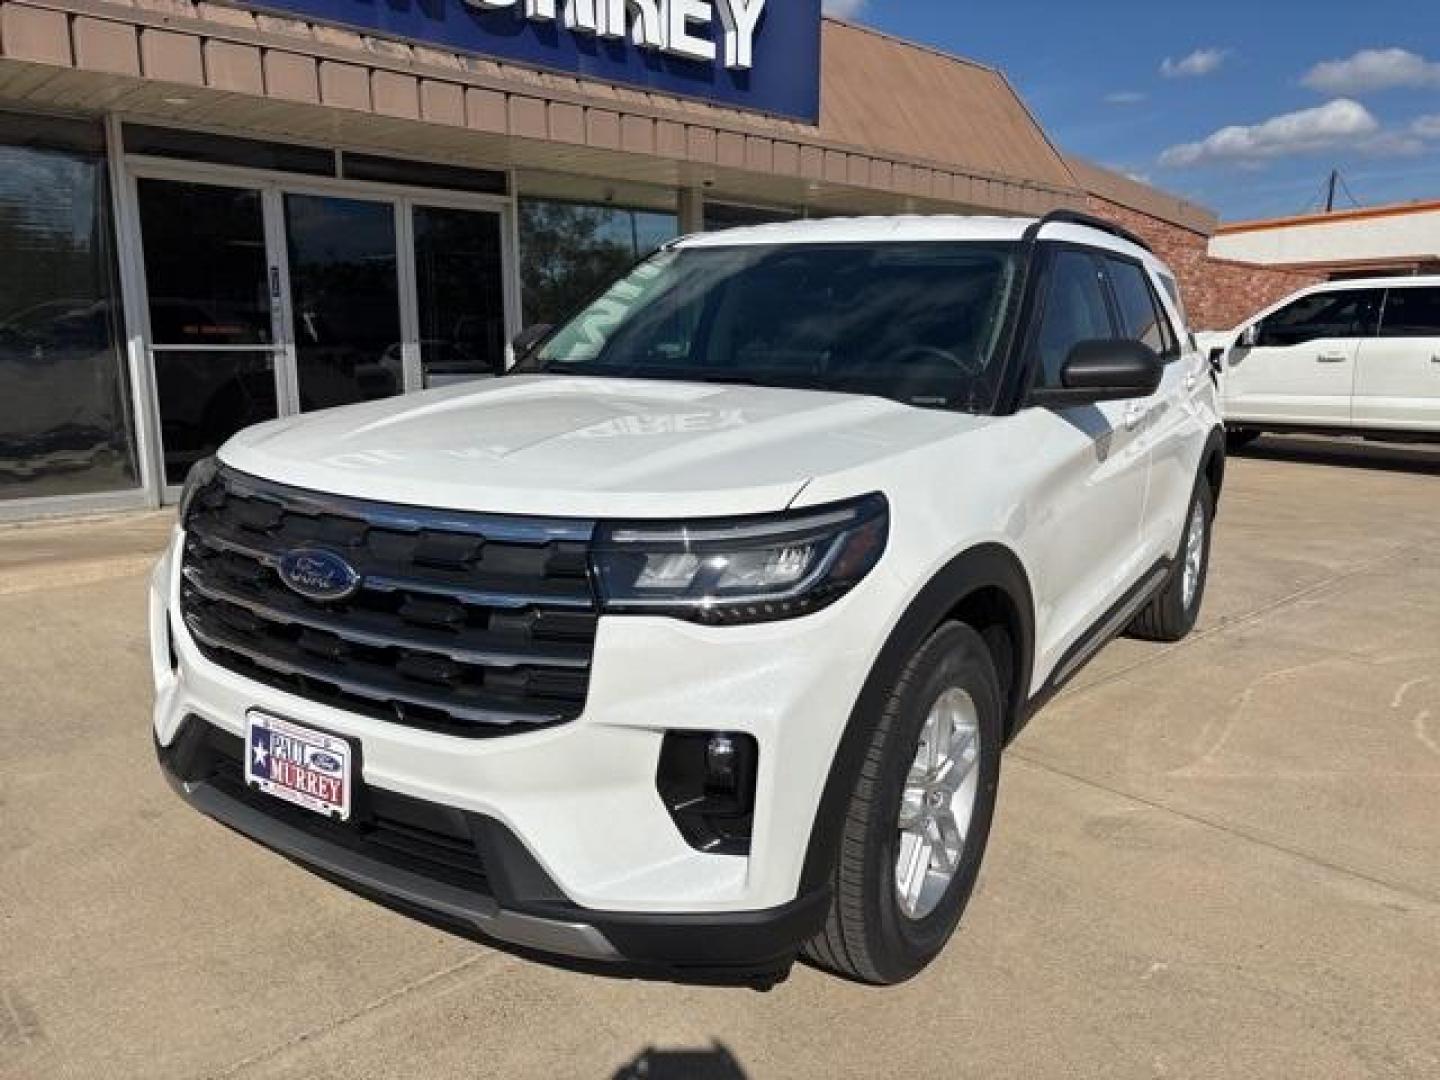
x=721, y=762
x=707, y=781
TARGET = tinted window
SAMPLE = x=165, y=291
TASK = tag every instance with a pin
x=569, y=252
x=225, y=150
x=1075, y=311
x=728, y=216
x=64, y=398
x=1140, y=316
x=1343, y=314
x=1173, y=291
x=1411, y=313
x=205, y=263
x=460, y=286
x=916, y=322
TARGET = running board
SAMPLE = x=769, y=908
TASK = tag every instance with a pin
x=1109, y=627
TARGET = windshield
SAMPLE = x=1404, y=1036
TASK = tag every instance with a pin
x=916, y=322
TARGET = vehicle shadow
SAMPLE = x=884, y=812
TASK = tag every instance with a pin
x=716, y=1063
x=1419, y=458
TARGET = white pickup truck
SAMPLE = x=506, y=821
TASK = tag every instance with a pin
x=1357, y=357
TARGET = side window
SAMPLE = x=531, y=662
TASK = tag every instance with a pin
x=1075, y=311
x=1172, y=289
x=1411, y=313
x=1346, y=313
x=1141, y=317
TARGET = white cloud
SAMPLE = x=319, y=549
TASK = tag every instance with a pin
x=1341, y=125
x=1373, y=69
x=1126, y=97
x=1198, y=63
x=846, y=9
x=1426, y=127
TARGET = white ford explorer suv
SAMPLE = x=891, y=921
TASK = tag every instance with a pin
x=692, y=644
x=1355, y=357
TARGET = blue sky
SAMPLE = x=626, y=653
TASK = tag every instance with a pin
x=1151, y=87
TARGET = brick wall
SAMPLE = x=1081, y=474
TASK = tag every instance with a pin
x=1219, y=294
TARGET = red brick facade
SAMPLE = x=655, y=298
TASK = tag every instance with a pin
x=1219, y=294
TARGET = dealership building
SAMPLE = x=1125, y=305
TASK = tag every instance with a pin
x=213, y=215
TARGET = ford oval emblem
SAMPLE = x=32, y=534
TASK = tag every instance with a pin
x=317, y=574
x=327, y=763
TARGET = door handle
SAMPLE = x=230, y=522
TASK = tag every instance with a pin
x=1331, y=358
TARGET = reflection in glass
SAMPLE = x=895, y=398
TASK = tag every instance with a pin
x=460, y=284
x=205, y=264
x=344, y=287
x=205, y=397
x=720, y=216
x=65, y=426
x=569, y=252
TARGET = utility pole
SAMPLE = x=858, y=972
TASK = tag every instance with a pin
x=1330, y=191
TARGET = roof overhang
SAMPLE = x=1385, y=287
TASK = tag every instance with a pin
x=227, y=69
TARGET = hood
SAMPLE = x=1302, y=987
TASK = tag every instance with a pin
x=587, y=447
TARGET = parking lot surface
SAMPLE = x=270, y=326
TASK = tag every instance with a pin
x=1220, y=858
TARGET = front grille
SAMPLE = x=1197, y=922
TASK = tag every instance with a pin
x=468, y=624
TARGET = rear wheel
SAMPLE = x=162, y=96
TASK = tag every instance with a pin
x=1173, y=613
x=919, y=816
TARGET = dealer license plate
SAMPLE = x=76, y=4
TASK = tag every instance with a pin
x=298, y=764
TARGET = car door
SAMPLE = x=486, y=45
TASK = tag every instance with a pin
x=1301, y=368
x=1397, y=377
x=1086, y=509
x=1170, y=429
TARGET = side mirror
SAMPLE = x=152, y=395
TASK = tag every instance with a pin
x=1250, y=336
x=531, y=336
x=1104, y=370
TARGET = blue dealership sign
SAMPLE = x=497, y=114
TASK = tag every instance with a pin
x=761, y=55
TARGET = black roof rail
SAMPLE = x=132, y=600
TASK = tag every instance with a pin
x=1090, y=221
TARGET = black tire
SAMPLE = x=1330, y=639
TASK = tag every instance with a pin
x=867, y=935
x=1168, y=617
x=1239, y=438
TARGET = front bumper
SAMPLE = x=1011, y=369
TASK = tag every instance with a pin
x=518, y=906
x=585, y=859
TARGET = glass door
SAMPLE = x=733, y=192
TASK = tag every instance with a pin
x=460, y=293
x=212, y=305
x=344, y=299
x=267, y=298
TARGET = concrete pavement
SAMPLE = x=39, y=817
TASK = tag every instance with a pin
x=1215, y=859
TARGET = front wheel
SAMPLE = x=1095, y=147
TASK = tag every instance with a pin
x=919, y=815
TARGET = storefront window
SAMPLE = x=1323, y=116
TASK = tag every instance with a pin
x=569, y=251
x=65, y=426
x=720, y=216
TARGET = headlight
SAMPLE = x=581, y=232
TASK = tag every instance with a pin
x=199, y=476
x=741, y=570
